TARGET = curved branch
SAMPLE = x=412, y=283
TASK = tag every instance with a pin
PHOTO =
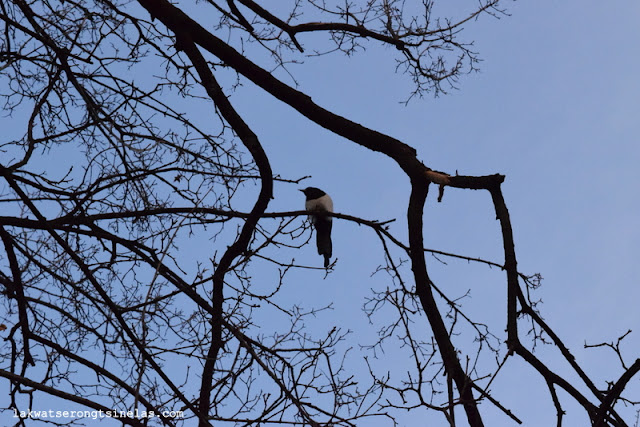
x=251, y=142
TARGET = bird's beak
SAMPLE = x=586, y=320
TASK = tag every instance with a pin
x=300, y=189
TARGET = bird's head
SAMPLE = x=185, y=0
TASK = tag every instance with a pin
x=312, y=192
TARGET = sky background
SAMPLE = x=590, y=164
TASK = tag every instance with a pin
x=555, y=108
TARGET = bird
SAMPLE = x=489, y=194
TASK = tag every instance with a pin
x=319, y=201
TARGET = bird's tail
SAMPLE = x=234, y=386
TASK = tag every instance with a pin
x=323, y=238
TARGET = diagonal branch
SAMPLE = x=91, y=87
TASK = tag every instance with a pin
x=15, y=289
x=67, y=396
x=609, y=401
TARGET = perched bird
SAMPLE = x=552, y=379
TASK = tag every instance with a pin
x=319, y=201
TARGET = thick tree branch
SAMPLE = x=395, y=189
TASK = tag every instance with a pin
x=423, y=289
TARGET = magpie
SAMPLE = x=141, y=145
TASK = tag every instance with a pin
x=319, y=201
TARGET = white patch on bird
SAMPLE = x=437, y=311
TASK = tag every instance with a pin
x=323, y=203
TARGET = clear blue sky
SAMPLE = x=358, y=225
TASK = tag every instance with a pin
x=556, y=109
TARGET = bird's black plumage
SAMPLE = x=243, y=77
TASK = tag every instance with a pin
x=319, y=201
